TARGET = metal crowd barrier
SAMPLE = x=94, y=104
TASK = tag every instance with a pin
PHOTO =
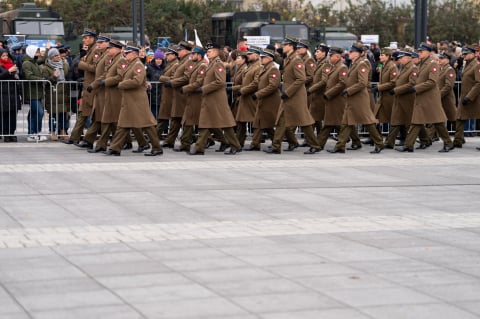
x=23, y=117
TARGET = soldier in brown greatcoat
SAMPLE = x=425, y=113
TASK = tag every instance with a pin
x=267, y=97
x=89, y=56
x=113, y=97
x=240, y=66
x=388, y=75
x=214, y=111
x=293, y=110
x=404, y=98
x=194, y=99
x=135, y=110
x=165, y=109
x=97, y=89
x=317, y=89
x=334, y=75
x=357, y=110
x=179, y=79
x=428, y=105
x=469, y=100
x=246, y=105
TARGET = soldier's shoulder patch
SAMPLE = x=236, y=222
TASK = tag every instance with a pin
x=451, y=75
x=220, y=69
x=190, y=66
x=363, y=70
x=96, y=56
x=299, y=65
x=312, y=64
x=123, y=65
x=327, y=70
x=344, y=73
x=274, y=75
x=414, y=73
x=139, y=70
x=202, y=72
x=434, y=69
x=394, y=73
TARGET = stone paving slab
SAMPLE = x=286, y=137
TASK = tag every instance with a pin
x=348, y=236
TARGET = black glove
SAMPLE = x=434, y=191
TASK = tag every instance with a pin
x=466, y=101
x=89, y=89
x=229, y=89
x=83, y=53
x=198, y=90
x=181, y=90
x=254, y=97
x=375, y=90
x=168, y=84
x=101, y=83
x=392, y=92
x=325, y=97
x=238, y=93
x=308, y=92
x=344, y=92
x=412, y=90
x=284, y=96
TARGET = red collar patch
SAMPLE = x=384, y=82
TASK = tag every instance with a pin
x=327, y=70
x=394, y=73
x=201, y=72
x=414, y=74
x=190, y=66
x=95, y=56
x=123, y=66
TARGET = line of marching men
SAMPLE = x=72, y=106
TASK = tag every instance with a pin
x=322, y=96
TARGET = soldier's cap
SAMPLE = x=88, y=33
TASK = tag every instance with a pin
x=468, y=49
x=171, y=50
x=415, y=55
x=103, y=37
x=267, y=52
x=198, y=49
x=182, y=45
x=290, y=40
x=131, y=48
x=212, y=45
x=335, y=50
x=89, y=33
x=356, y=47
x=401, y=53
x=254, y=49
x=386, y=51
x=303, y=44
x=322, y=47
x=444, y=55
x=115, y=44
x=424, y=47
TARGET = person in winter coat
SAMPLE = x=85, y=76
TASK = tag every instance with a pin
x=10, y=96
x=154, y=70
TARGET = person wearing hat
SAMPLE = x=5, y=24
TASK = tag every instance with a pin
x=155, y=69
x=403, y=99
x=193, y=104
x=240, y=66
x=335, y=75
x=317, y=89
x=293, y=110
x=215, y=112
x=9, y=96
x=166, y=103
x=388, y=74
x=89, y=56
x=428, y=106
x=357, y=109
x=247, y=105
x=267, y=97
x=57, y=101
x=179, y=79
x=113, y=98
x=469, y=100
x=135, y=109
x=97, y=88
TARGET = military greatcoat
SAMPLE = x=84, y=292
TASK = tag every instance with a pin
x=317, y=90
x=88, y=64
x=194, y=99
x=165, y=110
x=404, y=99
x=383, y=108
x=113, y=96
x=336, y=77
x=471, y=90
x=246, y=105
x=446, y=83
x=180, y=78
x=268, y=96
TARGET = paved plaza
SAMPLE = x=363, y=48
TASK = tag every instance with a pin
x=325, y=236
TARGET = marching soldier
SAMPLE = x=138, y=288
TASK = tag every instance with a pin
x=334, y=75
x=166, y=102
x=194, y=99
x=293, y=110
x=215, y=112
x=89, y=56
x=246, y=105
x=428, y=105
x=357, y=110
x=135, y=110
x=179, y=79
x=469, y=100
x=240, y=66
x=267, y=97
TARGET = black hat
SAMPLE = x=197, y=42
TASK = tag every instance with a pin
x=335, y=50
x=131, y=48
x=212, y=45
x=171, y=50
x=400, y=54
x=303, y=44
x=254, y=49
x=468, y=49
x=356, y=47
x=415, y=55
x=424, y=47
x=182, y=45
x=115, y=44
x=443, y=56
x=290, y=40
x=90, y=33
x=103, y=38
x=268, y=52
x=322, y=47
